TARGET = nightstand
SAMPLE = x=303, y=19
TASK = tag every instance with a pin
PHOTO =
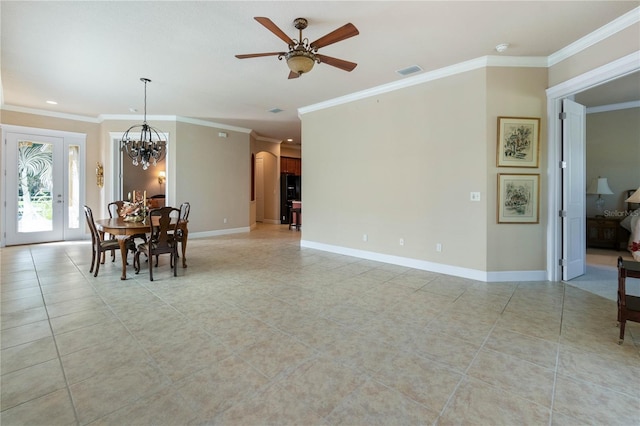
x=603, y=232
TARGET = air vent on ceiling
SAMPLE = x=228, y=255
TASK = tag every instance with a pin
x=409, y=70
x=275, y=110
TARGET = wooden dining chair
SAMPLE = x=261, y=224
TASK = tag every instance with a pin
x=185, y=209
x=163, y=224
x=114, y=208
x=99, y=245
x=628, y=305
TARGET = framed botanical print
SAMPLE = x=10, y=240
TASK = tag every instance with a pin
x=518, y=142
x=518, y=198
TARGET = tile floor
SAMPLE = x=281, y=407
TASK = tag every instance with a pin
x=259, y=331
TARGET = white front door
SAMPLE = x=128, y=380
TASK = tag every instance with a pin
x=573, y=189
x=44, y=191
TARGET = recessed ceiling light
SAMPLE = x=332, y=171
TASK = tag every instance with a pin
x=289, y=140
x=502, y=47
x=52, y=102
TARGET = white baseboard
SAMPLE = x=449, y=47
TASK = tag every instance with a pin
x=474, y=274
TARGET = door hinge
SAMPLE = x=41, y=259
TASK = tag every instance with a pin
x=563, y=164
x=562, y=213
x=562, y=115
x=562, y=262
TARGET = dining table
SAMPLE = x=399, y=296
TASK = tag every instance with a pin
x=123, y=229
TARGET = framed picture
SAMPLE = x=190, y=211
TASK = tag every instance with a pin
x=518, y=141
x=518, y=198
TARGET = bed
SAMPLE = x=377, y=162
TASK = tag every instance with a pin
x=632, y=224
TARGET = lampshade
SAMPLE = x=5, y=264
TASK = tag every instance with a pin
x=300, y=62
x=600, y=186
x=635, y=197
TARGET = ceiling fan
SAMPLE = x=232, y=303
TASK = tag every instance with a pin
x=302, y=55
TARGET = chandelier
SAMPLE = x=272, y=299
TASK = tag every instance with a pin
x=149, y=147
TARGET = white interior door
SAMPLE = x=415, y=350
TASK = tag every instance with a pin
x=573, y=189
x=44, y=191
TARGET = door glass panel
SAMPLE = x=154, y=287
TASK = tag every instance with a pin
x=73, y=202
x=35, y=181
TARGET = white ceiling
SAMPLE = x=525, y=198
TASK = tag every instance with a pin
x=88, y=56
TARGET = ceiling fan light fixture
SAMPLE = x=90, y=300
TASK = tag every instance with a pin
x=300, y=61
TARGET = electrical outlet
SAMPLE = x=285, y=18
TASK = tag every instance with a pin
x=401, y=241
x=438, y=247
x=225, y=220
x=365, y=237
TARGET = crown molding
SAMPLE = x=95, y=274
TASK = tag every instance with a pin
x=630, y=18
x=213, y=124
x=259, y=138
x=123, y=117
x=54, y=114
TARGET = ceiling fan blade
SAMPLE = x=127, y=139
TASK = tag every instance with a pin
x=268, y=24
x=257, y=55
x=338, y=63
x=293, y=75
x=342, y=33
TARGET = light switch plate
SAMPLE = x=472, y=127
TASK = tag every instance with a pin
x=475, y=196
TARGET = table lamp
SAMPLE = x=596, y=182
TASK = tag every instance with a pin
x=634, y=198
x=600, y=187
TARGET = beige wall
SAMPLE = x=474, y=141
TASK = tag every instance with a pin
x=515, y=92
x=613, y=151
x=401, y=165
x=213, y=174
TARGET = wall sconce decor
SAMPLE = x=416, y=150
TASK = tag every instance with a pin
x=162, y=177
x=99, y=175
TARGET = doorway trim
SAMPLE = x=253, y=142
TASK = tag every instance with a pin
x=603, y=74
x=116, y=158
